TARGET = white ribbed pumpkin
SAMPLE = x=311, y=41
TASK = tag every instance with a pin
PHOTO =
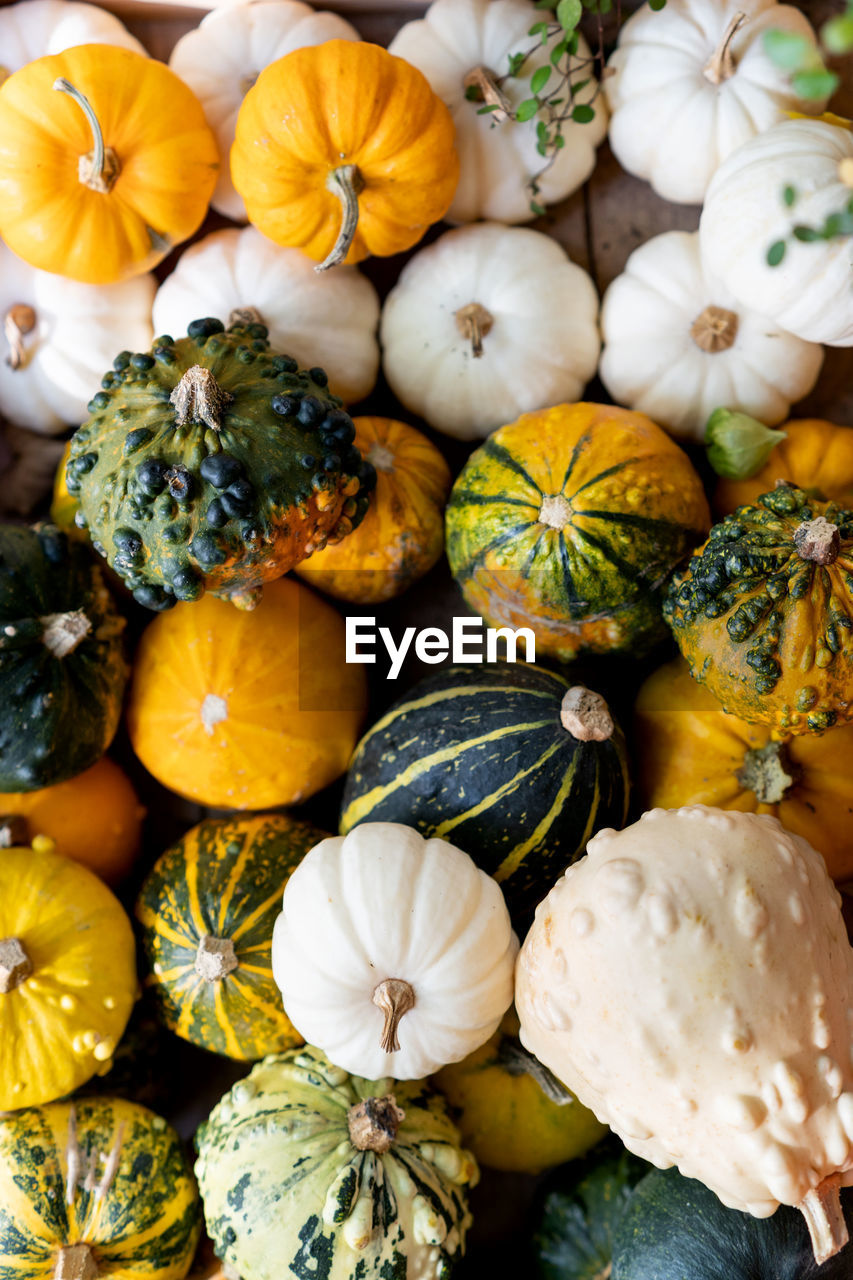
x=809, y=292
x=394, y=954
x=688, y=85
x=498, y=157
x=487, y=323
x=325, y=318
x=33, y=28
x=691, y=981
x=223, y=56
x=678, y=346
x=59, y=337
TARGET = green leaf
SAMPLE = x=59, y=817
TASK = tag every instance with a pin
x=473, y=93
x=838, y=224
x=837, y=34
x=789, y=195
x=539, y=29
x=526, y=110
x=815, y=85
x=787, y=50
x=581, y=84
x=516, y=62
x=538, y=209
x=558, y=142
x=807, y=235
x=569, y=14
x=485, y=111
x=559, y=51
x=657, y=5
x=738, y=446
x=573, y=43
x=776, y=253
x=539, y=79
x=583, y=113
x=542, y=147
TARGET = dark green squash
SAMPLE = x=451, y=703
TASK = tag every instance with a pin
x=480, y=756
x=676, y=1229
x=763, y=613
x=577, y=1211
x=213, y=463
x=62, y=665
x=207, y=910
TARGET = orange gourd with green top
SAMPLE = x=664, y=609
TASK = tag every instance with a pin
x=815, y=456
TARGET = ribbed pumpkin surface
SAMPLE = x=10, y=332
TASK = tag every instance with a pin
x=479, y=756
x=287, y=1192
x=221, y=885
x=568, y=521
x=107, y=1178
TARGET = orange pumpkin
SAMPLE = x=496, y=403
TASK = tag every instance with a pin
x=690, y=751
x=94, y=818
x=246, y=710
x=816, y=456
x=402, y=535
x=99, y=180
x=344, y=150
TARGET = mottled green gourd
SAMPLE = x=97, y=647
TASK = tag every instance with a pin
x=307, y=1171
x=62, y=664
x=763, y=612
x=212, y=463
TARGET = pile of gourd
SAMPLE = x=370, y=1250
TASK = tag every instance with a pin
x=686, y=979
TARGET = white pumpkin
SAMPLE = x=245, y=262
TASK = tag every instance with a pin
x=678, y=346
x=222, y=58
x=690, y=84
x=33, y=28
x=394, y=954
x=809, y=293
x=325, y=318
x=691, y=981
x=60, y=337
x=487, y=323
x=458, y=38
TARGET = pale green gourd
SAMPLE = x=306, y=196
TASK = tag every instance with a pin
x=308, y=1171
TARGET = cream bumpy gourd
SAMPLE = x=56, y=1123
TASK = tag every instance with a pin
x=394, y=954
x=691, y=981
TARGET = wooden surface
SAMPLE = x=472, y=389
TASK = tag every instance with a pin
x=599, y=226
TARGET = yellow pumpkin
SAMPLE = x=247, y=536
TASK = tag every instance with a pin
x=106, y=163
x=95, y=818
x=246, y=710
x=690, y=751
x=505, y=1116
x=344, y=150
x=816, y=456
x=67, y=975
x=63, y=505
x=402, y=535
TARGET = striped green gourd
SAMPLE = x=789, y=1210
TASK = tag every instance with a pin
x=307, y=1171
x=207, y=911
x=507, y=761
x=94, y=1188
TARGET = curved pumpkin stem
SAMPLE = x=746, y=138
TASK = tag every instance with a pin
x=346, y=183
x=474, y=322
x=821, y=1208
x=721, y=65
x=17, y=323
x=484, y=81
x=395, y=997
x=100, y=167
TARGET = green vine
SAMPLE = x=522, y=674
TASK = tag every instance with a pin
x=813, y=81
x=554, y=87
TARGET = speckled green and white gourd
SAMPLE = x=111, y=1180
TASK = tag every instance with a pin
x=212, y=463
x=307, y=1171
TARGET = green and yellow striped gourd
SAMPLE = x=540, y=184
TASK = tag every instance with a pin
x=207, y=911
x=94, y=1188
x=307, y=1171
x=507, y=761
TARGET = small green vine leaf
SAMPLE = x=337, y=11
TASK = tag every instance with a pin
x=789, y=195
x=539, y=79
x=776, y=253
x=816, y=84
x=787, y=50
x=526, y=110
x=569, y=14
x=583, y=113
